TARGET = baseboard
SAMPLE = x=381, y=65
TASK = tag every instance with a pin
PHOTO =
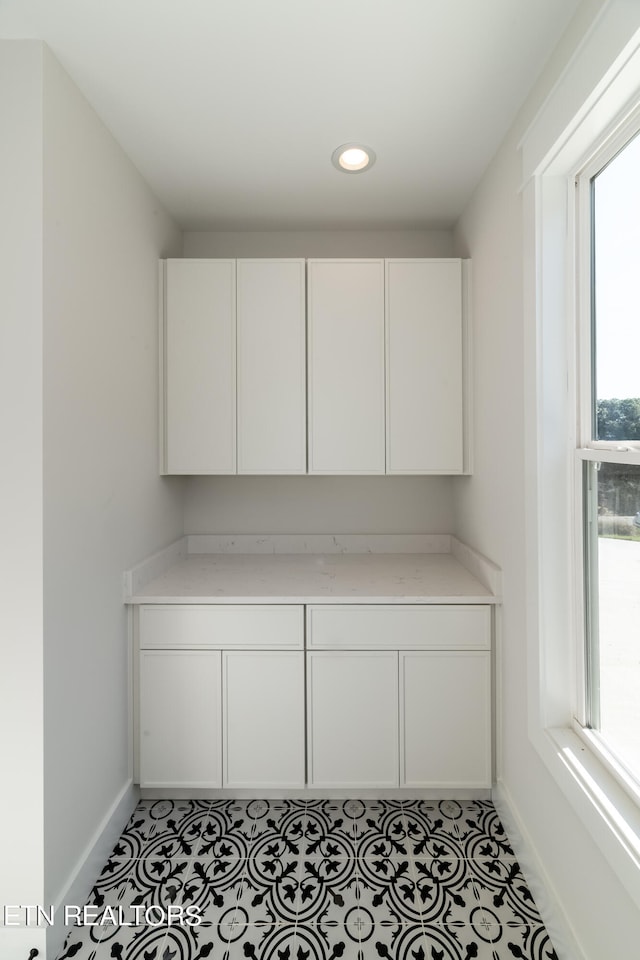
x=560, y=931
x=91, y=863
x=315, y=793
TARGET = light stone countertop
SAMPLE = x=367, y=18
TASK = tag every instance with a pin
x=314, y=578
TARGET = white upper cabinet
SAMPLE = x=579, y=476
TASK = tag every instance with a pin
x=234, y=347
x=346, y=366
x=424, y=347
x=199, y=334
x=271, y=366
x=372, y=380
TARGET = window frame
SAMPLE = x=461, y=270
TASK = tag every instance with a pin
x=606, y=149
x=589, y=450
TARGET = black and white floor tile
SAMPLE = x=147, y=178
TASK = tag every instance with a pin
x=311, y=880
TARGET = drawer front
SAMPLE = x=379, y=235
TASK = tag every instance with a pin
x=206, y=626
x=450, y=627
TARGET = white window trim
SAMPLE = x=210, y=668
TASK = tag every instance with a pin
x=587, y=449
x=593, y=98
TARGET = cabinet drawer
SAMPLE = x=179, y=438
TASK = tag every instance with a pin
x=198, y=626
x=399, y=627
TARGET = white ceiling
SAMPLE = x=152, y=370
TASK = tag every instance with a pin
x=231, y=108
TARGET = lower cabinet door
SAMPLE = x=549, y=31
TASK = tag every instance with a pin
x=263, y=697
x=352, y=721
x=445, y=719
x=180, y=718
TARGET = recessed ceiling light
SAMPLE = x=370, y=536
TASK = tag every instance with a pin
x=353, y=158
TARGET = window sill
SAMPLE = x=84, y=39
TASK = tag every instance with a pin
x=605, y=808
x=593, y=742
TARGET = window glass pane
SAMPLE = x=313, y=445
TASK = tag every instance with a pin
x=616, y=284
x=614, y=620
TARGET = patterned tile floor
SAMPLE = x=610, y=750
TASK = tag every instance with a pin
x=311, y=880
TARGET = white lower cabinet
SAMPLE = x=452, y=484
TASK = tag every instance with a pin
x=445, y=718
x=352, y=709
x=263, y=718
x=180, y=714
x=396, y=696
x=215, y=717
x=399, y=695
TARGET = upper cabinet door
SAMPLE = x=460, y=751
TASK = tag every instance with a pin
x=424, y=366
x=199, y=366
x=346, y=366
x=271, y=366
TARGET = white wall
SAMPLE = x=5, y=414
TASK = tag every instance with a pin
x=320, y=243
x=105, y=507
x=21, y=666
x=490, y=515
x=319, y=504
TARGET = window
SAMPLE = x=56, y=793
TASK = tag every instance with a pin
x=594, y=99
x=608, y=454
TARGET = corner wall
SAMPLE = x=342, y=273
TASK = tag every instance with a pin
x=21, y=671
x=105, y=506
